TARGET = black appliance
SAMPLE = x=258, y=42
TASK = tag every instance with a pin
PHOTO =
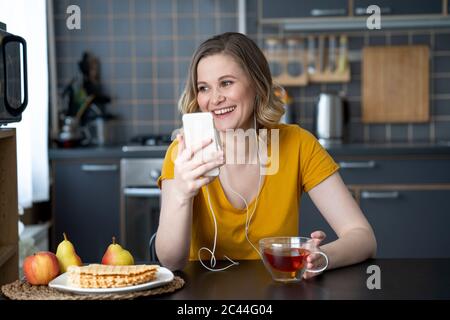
x=13, y=76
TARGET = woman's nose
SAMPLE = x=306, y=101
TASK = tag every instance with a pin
x=217, y=97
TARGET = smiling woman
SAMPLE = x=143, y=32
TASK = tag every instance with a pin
x=230, y=78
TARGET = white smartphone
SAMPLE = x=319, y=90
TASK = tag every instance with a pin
x=198, y=127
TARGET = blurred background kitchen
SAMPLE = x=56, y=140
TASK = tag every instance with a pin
x=378, y=100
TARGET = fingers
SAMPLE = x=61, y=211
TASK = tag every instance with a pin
x=197, y=184
x=204, y=168
x=188, y=153
x=199, y=146
x=318, y=237
x=313, y=262
x=181, y=145
x=319, y=234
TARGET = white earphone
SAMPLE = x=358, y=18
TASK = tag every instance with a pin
x=247, y=220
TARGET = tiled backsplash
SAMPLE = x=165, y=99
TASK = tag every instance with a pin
x=145, y=47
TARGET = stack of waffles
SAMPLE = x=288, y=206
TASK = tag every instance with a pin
x=107, y=276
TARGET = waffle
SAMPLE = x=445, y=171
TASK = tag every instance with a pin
x=107, y=276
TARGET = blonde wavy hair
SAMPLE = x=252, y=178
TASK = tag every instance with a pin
x=269, y=107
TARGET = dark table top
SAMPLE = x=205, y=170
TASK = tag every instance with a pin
x=400, y=279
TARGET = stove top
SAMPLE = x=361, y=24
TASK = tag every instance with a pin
x=148, y=142
x=151, y=140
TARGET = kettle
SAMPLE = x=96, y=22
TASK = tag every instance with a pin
x=329, y=118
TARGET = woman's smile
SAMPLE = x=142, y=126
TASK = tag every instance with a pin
x=222, y=113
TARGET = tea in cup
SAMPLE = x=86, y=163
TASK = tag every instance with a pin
x=286, y=257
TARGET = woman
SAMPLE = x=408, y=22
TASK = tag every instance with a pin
x=230, y=77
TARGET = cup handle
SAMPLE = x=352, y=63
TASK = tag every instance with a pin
x=321, y=269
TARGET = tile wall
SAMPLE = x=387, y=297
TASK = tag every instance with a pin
x=145, y=47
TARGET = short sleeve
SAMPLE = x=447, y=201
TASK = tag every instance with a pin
x=316, y=164
x=167, y=171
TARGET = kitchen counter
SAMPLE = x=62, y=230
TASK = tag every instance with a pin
x=400, y=279
x=336, y=150
x=108, y=152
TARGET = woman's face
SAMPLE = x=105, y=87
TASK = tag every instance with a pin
x=225, y=90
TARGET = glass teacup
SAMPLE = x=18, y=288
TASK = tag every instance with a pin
x=285, y=257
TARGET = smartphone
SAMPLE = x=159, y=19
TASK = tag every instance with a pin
x=198, y=127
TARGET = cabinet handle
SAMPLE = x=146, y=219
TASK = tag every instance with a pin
x=328, y=12
x=142, y=192
x=357, y=165
x=380, y=195
x=361, y=11
x=99, y=167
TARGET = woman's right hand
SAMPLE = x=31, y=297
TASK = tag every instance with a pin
x=189, y=173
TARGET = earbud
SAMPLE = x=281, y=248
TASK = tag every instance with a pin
x=247, y=220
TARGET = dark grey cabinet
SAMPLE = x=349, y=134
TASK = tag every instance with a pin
x=301, y=9
x=395, y=171
x=404, y=199
x=86, y=205
x=290, y=9
x=409, y=223
x=399, y=7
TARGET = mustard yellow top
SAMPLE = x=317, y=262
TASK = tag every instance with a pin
x=303, y=163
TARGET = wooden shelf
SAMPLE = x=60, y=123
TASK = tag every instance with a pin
x=330, y=77
x=279, y=60
x=9, y=216
x=6, y=252
x=6, y=133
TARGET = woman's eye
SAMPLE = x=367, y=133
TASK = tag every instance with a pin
x=202, y=89
x=227, y=83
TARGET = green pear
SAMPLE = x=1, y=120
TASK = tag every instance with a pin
x=116, y=255
x=66, y=255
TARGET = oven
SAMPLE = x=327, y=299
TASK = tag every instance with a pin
x=140, y=203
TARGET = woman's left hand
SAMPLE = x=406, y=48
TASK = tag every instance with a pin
x=315, y=261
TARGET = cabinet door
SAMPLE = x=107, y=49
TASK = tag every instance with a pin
x=395, y=171
x=399, y=7
x=86, y=206
x=409, y=224
x=301, y=9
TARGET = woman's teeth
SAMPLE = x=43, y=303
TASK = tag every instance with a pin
x=224, y=110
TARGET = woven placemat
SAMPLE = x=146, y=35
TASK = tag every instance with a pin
x=22, y=290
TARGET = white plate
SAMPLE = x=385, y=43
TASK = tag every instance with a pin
x=163, y=276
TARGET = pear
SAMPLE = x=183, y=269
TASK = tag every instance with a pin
x=116, y=255
x=66, y=255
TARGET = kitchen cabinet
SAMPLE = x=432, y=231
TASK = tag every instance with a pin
x=409, y=223
x=292, y=15
x=86, y=203
x=405, y=199
x=283, y=9
x=399, y=7
x=9, y=239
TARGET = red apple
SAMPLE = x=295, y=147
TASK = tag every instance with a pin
x=41, y=268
